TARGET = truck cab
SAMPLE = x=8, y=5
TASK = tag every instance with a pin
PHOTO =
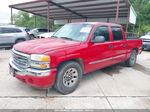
x=74, y=50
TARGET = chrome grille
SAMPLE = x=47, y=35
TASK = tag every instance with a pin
x=20, y=59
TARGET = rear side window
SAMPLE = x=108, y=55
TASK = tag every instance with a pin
x=17, y=30
x=117, y=33
x=43, y=30
x=102, y=31
x=10, y=30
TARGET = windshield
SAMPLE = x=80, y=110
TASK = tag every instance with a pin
x=74, y=32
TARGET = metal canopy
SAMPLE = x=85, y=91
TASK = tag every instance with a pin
x=75, y=9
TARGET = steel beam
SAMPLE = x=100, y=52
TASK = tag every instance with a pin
x=67, y=9
x=117, y=12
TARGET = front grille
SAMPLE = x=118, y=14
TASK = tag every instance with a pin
x=20, y=59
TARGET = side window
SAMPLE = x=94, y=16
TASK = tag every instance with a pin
x=117, y=33
x=7, y=30
x=43, y=30
x=17, y=30
x=102, y=31
x=10, y=30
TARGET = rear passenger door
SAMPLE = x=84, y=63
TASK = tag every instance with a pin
x=119, y=45
x=6, y=35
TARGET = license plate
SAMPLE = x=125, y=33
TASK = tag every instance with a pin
x=11, y=71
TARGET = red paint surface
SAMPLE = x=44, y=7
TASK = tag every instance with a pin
x=62, y=50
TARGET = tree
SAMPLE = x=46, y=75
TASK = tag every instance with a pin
x=142, y=8
x=25, y=19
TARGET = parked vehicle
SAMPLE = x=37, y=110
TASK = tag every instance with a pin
x=35, y=32
x=74, y=50
x=26, y=29
x=146, y=41
x=45, y=35
x=12, y=35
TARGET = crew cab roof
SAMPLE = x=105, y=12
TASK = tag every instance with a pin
x=96, y=23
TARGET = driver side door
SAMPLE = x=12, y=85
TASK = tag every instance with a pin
x=100, y=54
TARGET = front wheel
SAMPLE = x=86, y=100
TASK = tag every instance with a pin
x=68, y=77
x=132, y=60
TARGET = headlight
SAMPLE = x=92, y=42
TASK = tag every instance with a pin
x=40, y=61
x=39, y=57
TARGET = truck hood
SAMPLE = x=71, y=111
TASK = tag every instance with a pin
x=39, y=46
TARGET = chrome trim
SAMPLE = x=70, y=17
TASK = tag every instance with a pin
x=98, y=61
x=119, y=56
x=28, y=71
x=22, y=61
x=19, y=53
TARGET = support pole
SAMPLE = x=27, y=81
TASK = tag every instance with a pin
x=133, y=30
x=70, y=18
x=85, y=19
x=127, y=23
x=11, y=18
x=139, y=29
x=107, y=20
x=48, y=15
x=35, y=21
x=117, y=12
x=68, y=21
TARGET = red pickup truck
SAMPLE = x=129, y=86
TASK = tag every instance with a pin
x=74, y=50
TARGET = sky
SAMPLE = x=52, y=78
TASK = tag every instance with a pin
x=5, y=10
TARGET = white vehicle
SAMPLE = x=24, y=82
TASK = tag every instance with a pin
x=147, y=36
x=10, y=35
x=46, y=35
x=146, y=41
x=37, y=31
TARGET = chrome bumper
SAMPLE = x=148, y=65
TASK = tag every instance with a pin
x=28, y=71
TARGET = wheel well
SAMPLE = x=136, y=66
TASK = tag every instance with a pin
x=136, y=49
x=78, y=60
x=19, y=39
x=31, y=35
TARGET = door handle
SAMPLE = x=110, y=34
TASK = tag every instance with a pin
x=111, y=46
x=123, y=45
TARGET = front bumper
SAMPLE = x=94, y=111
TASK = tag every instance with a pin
x=33, y=77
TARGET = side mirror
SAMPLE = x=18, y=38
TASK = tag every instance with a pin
x=99, y=39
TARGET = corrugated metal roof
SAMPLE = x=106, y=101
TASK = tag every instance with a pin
x=75, y=9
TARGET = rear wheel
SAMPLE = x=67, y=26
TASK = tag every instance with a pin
x=132, y=60
x=31, y=37
x=68, y=77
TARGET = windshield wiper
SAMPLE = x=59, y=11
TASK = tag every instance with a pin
x=66, y=38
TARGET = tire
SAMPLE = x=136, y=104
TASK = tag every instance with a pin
x=31, y=37
x=66, y=83
x=132, y=60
